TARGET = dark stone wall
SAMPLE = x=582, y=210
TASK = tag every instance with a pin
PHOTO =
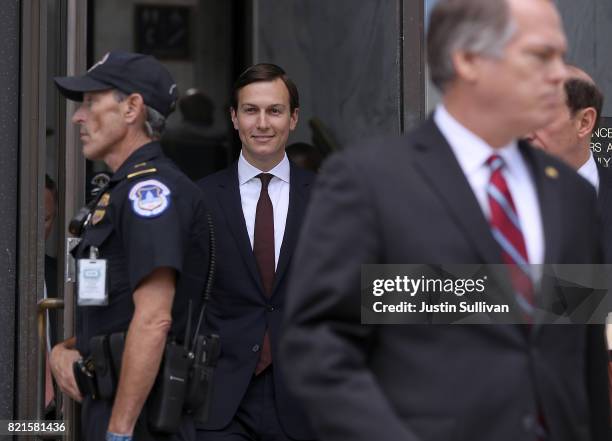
x=344, y=58
x=588, y=25
x=9, y=128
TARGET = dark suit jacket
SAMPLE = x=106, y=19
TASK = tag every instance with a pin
x=239, y=311
x=604, y=202
x=406, y=200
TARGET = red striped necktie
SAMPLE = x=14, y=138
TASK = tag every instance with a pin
x=506, y=229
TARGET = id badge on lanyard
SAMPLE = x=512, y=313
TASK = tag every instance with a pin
x=92, y=280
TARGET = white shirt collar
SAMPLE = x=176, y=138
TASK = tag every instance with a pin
x=472, y=153
x=246, y=171
x=470, y=150
x=588, y=171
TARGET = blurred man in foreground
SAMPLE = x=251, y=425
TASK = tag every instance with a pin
x=459, y=189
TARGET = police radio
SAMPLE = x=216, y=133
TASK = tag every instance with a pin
x=205, y=348
x=200, y=380
x=80, y=220
x=184, y=382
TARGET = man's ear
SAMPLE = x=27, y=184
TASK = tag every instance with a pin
x=134, y=107
x=466, y=65
x=294, y=118
x=587, y=119
x=234, y=117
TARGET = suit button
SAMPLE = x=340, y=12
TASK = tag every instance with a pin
x=270, y=308
x=529, y=423
x=255, y=348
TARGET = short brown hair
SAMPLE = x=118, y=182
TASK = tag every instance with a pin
x=265, y=72
x=582, y=94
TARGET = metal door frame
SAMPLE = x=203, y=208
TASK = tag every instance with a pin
x=32, y=157
x=72, y=173
x=32, y=154
x=412, y=64
x=9, y=202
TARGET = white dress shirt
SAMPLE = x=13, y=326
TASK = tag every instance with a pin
x=278, y=189
x=472, y=153
x=589, y=172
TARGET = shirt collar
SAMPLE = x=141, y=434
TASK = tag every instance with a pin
x=138, y=160
x=588, y=171
x=246, y=171
x=471, y=151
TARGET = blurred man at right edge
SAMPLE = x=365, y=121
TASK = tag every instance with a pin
x=569, y=136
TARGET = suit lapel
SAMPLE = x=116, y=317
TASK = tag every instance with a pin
x=439, y=167
x=544, y=177
x=295, y=214
x=229, y=199
x=548, y=198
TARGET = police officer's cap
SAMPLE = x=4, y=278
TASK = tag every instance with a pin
x=129, y=73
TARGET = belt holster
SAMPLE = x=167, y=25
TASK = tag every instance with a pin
x=85, y=377
x=116, y=343
x=105, y=375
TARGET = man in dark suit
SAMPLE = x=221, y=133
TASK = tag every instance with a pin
x=443, y=194
x=568, y=137
x=258, y=205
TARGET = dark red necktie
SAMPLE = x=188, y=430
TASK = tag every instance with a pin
x=263, y=248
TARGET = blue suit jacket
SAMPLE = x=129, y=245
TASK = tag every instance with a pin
x=239, y=311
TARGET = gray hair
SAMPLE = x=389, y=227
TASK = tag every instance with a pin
x=155, y=122
x=481, y=27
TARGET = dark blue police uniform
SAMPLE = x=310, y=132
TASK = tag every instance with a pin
x=151, y=216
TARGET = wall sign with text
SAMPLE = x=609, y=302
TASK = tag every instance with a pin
x=601, y=143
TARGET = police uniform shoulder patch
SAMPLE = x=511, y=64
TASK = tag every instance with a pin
x=149, y=198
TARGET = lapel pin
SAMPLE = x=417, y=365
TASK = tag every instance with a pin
x=551, y=172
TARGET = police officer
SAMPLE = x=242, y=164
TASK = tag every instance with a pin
x=147, y=230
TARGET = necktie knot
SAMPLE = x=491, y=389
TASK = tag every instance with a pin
x=265, y=180
x=495, y=162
